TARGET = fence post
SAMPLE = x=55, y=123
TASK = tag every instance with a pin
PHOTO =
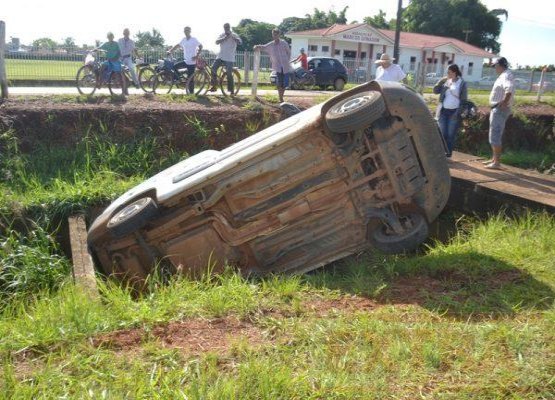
x=246, y=66
x=531, y=81
x=540, y=85
x=3, y=78
x=255, y=68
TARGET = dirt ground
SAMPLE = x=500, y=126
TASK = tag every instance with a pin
x=210, y=122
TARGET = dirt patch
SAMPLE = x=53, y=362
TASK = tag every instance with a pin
x=325, y=307
x=191, y=126
x=193, y=336
x=420, y=289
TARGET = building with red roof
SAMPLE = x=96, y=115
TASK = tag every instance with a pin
x=359, y=45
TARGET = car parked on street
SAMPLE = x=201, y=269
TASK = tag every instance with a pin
x=327, y=72
x=364, y=170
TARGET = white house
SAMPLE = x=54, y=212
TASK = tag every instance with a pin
x=361, y=43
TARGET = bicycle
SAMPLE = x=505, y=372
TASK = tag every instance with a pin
x=203, y=78
x=166, y=77
x=93, y=74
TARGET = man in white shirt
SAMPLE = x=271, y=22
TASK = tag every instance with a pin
x=128, y=50
x=387, y=71
x=228, y=42
x=191, y=49
x=501, y=99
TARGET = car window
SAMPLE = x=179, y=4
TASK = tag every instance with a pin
x=337, y=64
x=316, y=63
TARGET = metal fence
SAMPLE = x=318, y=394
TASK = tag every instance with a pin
x=61, y=64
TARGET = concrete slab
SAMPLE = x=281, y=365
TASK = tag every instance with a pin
x=508, y=186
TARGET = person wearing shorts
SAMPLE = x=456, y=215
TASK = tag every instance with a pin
x=280, y=54
x=501, y=99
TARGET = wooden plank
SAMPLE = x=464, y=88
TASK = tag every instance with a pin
x=83, y=267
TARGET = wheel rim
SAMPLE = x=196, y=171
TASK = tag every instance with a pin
x=163, y=82
x=86, y=80
x=128, y=211
x=146, y=79
x=116, y=83
x=353, y=104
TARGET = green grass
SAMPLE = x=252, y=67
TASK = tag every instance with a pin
x=42, y=69
x=479, y=323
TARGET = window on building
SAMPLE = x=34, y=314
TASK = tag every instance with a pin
x=470, y=68
x=312, y=47
x=412, y=63
x=349, y=54
x=325, y=49
x=337, y=52
x=362, y=55
x=378, y=55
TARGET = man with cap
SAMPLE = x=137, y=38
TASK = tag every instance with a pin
x=387, y=71
x=501, y=99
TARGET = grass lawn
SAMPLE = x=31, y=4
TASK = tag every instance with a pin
x=474, y=318
x=42, y=69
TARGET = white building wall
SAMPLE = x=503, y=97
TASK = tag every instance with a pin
x=404, y=58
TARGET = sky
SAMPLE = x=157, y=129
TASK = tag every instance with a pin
x=527, y=37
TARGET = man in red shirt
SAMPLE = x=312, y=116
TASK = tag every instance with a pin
x=303, y=59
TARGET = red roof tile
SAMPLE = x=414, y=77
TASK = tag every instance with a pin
x=408, y=39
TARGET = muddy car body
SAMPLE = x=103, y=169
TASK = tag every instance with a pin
x=365, y=169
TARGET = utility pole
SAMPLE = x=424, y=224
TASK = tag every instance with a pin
x=466, y=32
x=397, y=31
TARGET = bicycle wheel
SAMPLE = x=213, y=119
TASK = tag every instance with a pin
x=236, y=82
x=146, y=79
x=310, y=82
x=163, y=82
x=201, y=79
x=86, y=80
x=116, y=84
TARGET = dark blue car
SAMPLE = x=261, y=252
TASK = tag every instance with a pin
x=327, y=71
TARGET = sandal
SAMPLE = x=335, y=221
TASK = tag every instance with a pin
x=493, y=166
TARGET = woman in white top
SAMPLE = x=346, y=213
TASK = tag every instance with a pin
x=453, y=94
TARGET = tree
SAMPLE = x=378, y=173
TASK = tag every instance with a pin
x=149, y=40
x=44, y=43
x=319, y=19
x=377, y=21
x=253, y=32
x=452, y=17
x=69, y=42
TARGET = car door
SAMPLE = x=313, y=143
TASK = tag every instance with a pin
x=327, y=72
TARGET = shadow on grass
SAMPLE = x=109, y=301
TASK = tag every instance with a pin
x=464, y=285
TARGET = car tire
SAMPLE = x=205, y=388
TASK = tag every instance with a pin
x=355, y=112
x=132, y=217
x=339, y=84
x=392, y=243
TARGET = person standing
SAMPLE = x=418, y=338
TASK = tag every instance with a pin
x=501, y=100
x=228, y=42
x=303, y=59
x=387, y=71
x=128, y=50
x=453, y=93
x=191, y=49
x=280, y=54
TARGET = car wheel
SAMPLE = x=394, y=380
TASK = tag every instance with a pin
x=355, y=112
x=339, y=84
x=389, y=242
x=132, y=217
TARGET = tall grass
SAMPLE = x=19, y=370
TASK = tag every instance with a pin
x=56, y=181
